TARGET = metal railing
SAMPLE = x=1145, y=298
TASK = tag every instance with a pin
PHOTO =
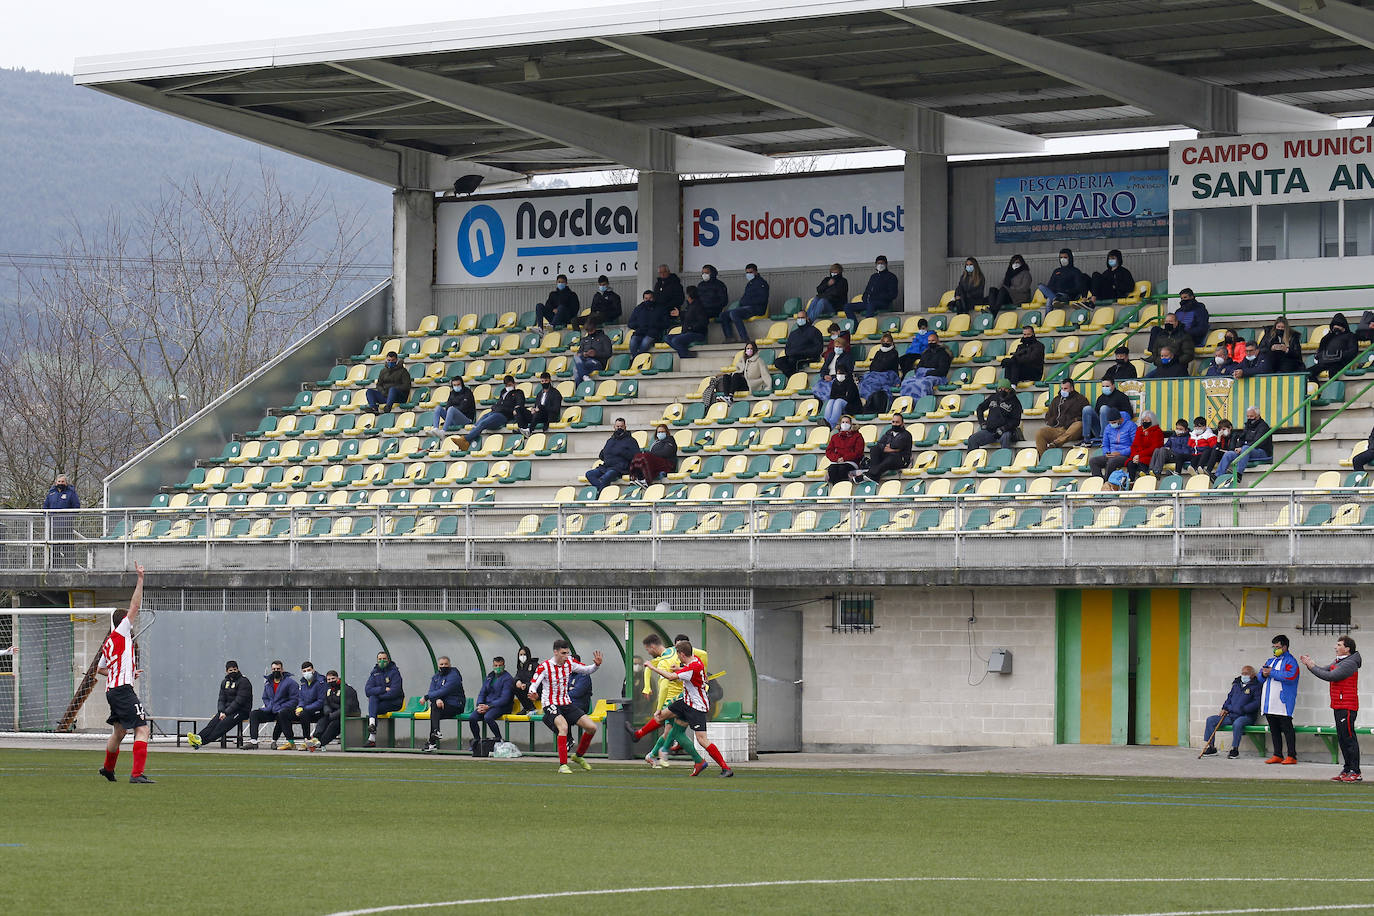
x=1064, y=530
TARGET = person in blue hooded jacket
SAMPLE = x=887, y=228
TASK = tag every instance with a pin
x=385, y=693
x=1240, y=709
x=309, y=707
x=278, y=692
x=494, y=700
x=446, y=699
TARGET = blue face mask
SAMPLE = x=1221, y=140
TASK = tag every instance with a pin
x=602, y=289
x=1111, y=262
x=968, y=268
x=1165, y=360
x=562, y=286
x=748, y=276
x=1245, y=678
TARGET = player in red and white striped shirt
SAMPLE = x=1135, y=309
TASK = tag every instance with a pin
x=550, y=684
x=692, y=706
x=117, y=663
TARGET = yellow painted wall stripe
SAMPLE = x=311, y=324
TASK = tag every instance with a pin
x=1163, y=661
x=1096, y=669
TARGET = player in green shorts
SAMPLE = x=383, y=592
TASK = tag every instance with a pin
x=665, y=659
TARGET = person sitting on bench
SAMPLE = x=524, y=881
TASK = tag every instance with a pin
x=385, y=693
x=446, y=699
x=278, y=692
x=1240, y=709
x=339, y=700
x=494, y=700
x=235, y=702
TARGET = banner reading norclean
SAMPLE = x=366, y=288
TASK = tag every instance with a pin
x=1092, y=205
x=501, y=240
x=1271, y=168
x=793, y=222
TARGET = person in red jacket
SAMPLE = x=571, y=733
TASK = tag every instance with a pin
x=1343, y=677
x=1148, y=437
x=845, y=450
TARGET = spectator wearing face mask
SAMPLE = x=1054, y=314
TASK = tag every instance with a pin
x=561, y=306
x=668, y=292
x=234, y=703
x=845, y=450
x=750, y=375
x=842, y=396
x=1121, y=367
x=1176, y=450
x=1281, y=344
x=890, y=454
x=930, y=370
x=1147, y=440
x=445, y=698
x=648, y=321
x=1335, y=351
x=339, y=700
x=1241, y=708
x=1117, y=439
x=969, y=292
x=278, y=693
x=1255, y=362
x=1209, y=455
x=385, y=691
x=1017, y=287
x=692, y=325
x=1192, y=314
x=712, y=292
x=308, y=709
x=606, y=307
x=1027, y=362
x=1233, y=345
x=508, y=408
x=525, y=665
x=919, y=341
x=1250, y=443
x=1171, y=335
x=837, y=361
x=1222, y=365
x=1067, y=283
x=879, y=293
x=658, y=459
x=494, y=700
x=881, y=376
x=999, y=419
x=1063, y=419
x=458, y=410
x=803, y=347
x=1166, y=366
x=392, y=386
x=548, y=406
x=1115, y=282
x=832, y=294
x=752, y=302
x=1095, y=417
x=615, y=457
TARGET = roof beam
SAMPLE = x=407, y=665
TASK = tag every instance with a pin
x=1204, y=106
x=636, y=146
x=1353, y=23
x=898, y=124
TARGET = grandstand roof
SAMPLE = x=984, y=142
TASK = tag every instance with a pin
x=722, y=86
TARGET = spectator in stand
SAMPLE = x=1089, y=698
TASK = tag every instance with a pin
x=831, y=329
x=1202, y=441
x=931, y=370
x=1067, y=283
x=648, y=321
x=803, y=347
x=1063, y=419
x=233, y=706
x=1211, y=454
x=1175, y=451
x=494, y=700
x=339, y=700
x=1233, y=345
x=1027, y=362
x=969, y=291
x=392, y=386
x=845, y=450
x=1256, y=362
x=838, y=356
x=832, y=294
x=659, y=459
x=1017, y=287
x=1117, y=439
x=1166, y=366
x=889, y=454
x=1241, y=708
x=308, y=709
x=837, y=363
x=1280, y=696
x=881, y=376
x=548, y=406
x=1117, y=481
x=1115, y=282
x=1095, y=417
x=752, y=302
x=615, y=457
x=1281, y=344
x=1148, y=439
x=751, y=375
x=842, y=396
x=458, y=410
x=668, y=292
x=880, y=292
x=712, y=292
x=1365, y=457
x=508, y=409
x=385, y=692
x=278, y=693
x=692, y=324
x=445, y=698
x=919, y=341
x=1171, y=334
x=62, y=495
x=1121, y=367
x=525, y=665
x=1251, y=443
x=1336, y=350
x=560, y=308
x=606, y=307
x=1192, y=314
x=1221, y=365
x=1343, y=679
x=593, y=352
x=999, y=419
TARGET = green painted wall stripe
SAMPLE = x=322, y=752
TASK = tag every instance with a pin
x=1185, y=660
x=1144, y=614
x=1121, y=650
x=1068, y=690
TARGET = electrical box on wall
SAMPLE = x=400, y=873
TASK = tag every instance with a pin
x=999, y=662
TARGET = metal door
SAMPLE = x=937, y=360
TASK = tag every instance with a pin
x=778, y=657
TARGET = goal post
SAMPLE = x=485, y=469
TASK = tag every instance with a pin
x=38, y=683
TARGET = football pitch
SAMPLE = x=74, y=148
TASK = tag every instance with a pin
x=269, y=831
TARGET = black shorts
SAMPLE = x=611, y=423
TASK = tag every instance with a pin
x=695, y=718
x=570, y=712
x=126, y=708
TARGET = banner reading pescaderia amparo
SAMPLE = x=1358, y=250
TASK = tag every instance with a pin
x=1085, y=205
x=510, y=239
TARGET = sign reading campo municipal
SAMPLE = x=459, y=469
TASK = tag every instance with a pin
x=536, y=238
x=1273, y=168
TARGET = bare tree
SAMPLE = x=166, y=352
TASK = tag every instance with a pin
x=146, y=320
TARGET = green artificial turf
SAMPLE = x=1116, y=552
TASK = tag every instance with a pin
x=268, y=831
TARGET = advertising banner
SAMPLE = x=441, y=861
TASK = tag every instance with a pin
x=1271, y=168
x=511, y=239
x=793, y=222
x=1093, y=205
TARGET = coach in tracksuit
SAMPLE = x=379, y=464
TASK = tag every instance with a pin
x=1343, y=676
x=385, y=693
x=235, y=701
x=309, y=704
x=446, y=699
x=1280, y=675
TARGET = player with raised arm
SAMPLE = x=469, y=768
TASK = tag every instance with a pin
x=692, y=706
x=551, y=680
x=126, y=710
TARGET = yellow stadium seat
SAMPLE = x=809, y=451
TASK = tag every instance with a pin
x=1101, y=319
x=1040, y=486
x=970, y=351
x=565, y=495
x=714, y=414
x=796, y=383
x=1052, y=520
x=762, y=410
x=1141, y=292
x=973, y=459
x=1074, y=459
x=724, y=439
x=957, y=325
x=1008, y=322
x=770, y=440
x=1145, y=483
x=945, y=299
x=949, y=403
x=958, y=434
x=1065, y=347
x=250, y=450
x=777, y=333
x=1160, y=517
x=984, y=377
x=428, y=325
x=924, y=461
x=1345, y=515
x=1025, y=459
x=1090, y=485
x=782, y=464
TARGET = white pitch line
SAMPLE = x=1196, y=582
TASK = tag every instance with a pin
x=1277, y=909
x=392, y=908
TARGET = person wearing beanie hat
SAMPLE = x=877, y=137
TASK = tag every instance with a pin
x=235, y=702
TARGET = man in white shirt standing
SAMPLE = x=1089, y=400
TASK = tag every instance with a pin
x=117, y=663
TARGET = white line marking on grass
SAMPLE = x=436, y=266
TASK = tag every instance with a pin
x=1277, y=909
x=1209, y=879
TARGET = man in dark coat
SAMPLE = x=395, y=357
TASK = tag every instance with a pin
x=615, y=456
x=668, y=291
x=392, y=387
x=1027, y=362
x=1067, y=283
x=1172, y=335
x=712, y=292
x=999, y=417
x=234, y=704
x=494, y=700
x=803, y=347
x=561, y=307
x=692, y=322
x=1336, y=350
x=890, y=453
x=548, y=405
x=1250, y=443
x=340, y=700
x=385, y=693
x=446, y=699
x=1240, y=709
x=605, y=308
x=880, y=291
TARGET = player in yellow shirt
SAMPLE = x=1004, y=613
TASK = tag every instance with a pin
x=665, y=660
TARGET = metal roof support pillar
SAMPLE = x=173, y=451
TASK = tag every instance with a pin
x=660, y=219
